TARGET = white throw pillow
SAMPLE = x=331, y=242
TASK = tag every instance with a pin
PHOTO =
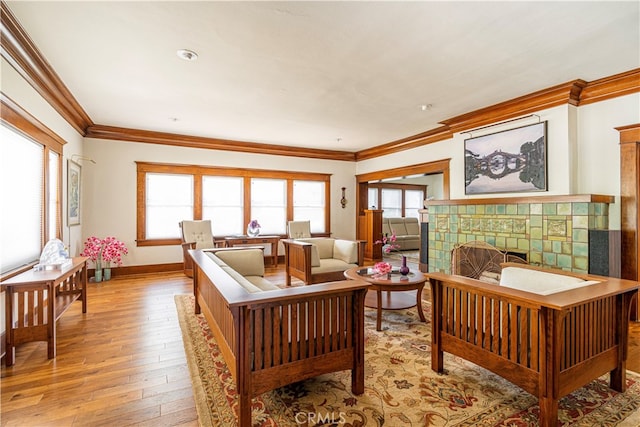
x=540, y=282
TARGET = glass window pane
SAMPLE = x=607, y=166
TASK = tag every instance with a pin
x=21, y=215
x=373, y=198
x=391, y=202
x=413, y=200
x=269, y=204
x=54, y=185
x=309, y=203
x=169, y=201
x=222, y=203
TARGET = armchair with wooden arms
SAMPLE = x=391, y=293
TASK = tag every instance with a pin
x=299, y=229
x=195, y=235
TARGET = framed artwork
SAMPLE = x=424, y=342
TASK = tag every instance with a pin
x=513, y=160
x=74, y=181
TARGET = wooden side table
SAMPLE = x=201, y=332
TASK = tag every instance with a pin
x=395, y=287
x=35, y=300
x=256, y=241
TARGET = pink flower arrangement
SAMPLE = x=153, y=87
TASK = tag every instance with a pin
x=113, y=250
x=382, y=268
x=388, y=243
x=108, y=250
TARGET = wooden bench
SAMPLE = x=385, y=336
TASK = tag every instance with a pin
x=35, y=300
x=549, y=345
x=273, y=338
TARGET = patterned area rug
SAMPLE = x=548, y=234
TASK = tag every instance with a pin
x=400, y=387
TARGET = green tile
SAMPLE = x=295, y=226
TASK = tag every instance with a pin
x=549, y=209
x=480, y=209
x=535, y=220
x=549, y=259
x=523, y=244
x=512, y=243
x=580, y=264
x=490, y=209
x=580, y=208
x=547, y=245
x=580, y=249
x=491, y=240
x=523, y=209
x=536, y=232
x=462, y=209
x=535, y=258
x=580, y=221
x=471, y=209
x=580, y=235
x=536, y=245
x=556, y=247
x=512, y=209
x=535, y=208
x=564, y=208
x=501, y=242
x=564, y=261
x=500, y=209
x=566, y=248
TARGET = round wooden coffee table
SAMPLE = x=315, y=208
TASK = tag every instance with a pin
x=393, y=293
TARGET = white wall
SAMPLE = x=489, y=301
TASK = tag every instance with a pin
x=109, y=196
x=16, y=88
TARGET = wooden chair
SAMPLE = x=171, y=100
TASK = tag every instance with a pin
x=195, y=235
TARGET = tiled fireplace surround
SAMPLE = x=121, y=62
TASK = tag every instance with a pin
x=553, y=231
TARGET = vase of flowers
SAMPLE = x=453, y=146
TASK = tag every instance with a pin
x=388, y=242
x=93, y=249
x=112, y=251
x=253, y=228
x=103, y=252
x=382, y=269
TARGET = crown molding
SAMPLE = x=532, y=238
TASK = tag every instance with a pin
x=434, y=135
x=19, y=50
x=611, y=87
x=163, y=138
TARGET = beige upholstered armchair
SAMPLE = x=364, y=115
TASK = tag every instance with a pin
x=195, y=235
x=299, y=229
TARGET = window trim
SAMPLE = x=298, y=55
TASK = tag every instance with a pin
x=199, y=171
x=20, y=121
x=403, y=187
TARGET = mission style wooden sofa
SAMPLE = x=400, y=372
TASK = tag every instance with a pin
x=549, y=343
x=271, y=338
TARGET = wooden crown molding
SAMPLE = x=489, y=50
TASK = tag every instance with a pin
x=151, y=137
x=19, y=50
x=629, y=134
x=611, y=87
x=438, y=134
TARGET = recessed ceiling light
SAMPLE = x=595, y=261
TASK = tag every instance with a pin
x=187, y=55
x=425, y=107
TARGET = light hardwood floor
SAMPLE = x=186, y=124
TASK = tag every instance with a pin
x=122, y=363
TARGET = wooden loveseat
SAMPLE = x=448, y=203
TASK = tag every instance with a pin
x=321, y=259
x=271, y=338
x=559, y=334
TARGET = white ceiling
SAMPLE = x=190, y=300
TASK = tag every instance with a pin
x=330, y=75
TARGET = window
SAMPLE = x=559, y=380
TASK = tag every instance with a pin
x=222, y=203
x=169, y=201
x=229, y=197
x=391, y=202
x=397, y=200
x=413, y=200
x=309, y=203
x=30, y=175
x=269, y=204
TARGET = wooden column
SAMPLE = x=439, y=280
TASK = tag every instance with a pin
x=372, y=232
x=629, y=207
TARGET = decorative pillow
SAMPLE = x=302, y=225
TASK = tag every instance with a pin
x=247, y=262
x=540, y=282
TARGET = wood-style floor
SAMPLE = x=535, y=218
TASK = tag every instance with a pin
x=122, y=363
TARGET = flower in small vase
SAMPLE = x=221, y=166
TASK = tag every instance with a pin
x=113, y=251
x=253, y=228
x=254, y=223
x=93, y=248
x=388, y=242
x=382, y=268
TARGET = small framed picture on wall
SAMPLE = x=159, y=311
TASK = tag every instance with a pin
x=74, y=182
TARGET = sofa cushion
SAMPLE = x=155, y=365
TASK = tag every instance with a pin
x=397, y=226
x=346, y=250
x=241, y=280
x=324, y=244
x=315, y=256
x=413, y=226
x=261, y=283
x=540, y=282
x=247, y=262
x=331, y=265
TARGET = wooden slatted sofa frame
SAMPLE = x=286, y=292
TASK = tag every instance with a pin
x=273, y=338
x=549, y=345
